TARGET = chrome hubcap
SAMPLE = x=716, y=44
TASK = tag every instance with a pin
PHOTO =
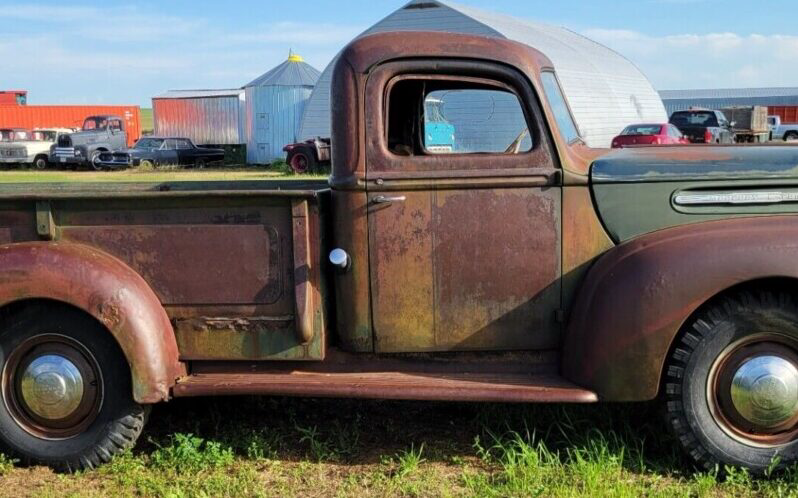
x=764, y=391
x=52, y=387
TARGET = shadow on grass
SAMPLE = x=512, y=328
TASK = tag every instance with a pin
x=360, y=432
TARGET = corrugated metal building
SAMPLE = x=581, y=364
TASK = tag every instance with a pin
x=207, y=117
x=780, y=101
x=605, y=90
x=275, y=103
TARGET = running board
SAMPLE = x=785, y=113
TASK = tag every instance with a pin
x=504, y=387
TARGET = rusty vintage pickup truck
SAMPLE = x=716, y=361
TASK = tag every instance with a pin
x=517, y=265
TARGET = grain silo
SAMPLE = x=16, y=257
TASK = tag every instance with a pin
x=275, y=103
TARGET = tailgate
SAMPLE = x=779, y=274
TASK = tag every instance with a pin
x=237, y=269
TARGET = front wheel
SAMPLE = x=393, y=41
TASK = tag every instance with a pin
x=66, y=391
x=40, y=163
x=95, y=160
x=731, y=383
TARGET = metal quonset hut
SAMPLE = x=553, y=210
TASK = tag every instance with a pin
x=207, y=117
x=605, y=90
x=275, y=104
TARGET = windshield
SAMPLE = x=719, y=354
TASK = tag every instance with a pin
x=95, y=124
x=642, y=130
x=44, y=136
x=13, y=135
x=694, y=118
x=149, y=143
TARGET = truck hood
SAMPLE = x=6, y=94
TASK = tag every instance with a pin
x=85, y=137
x=641, y=190
x=696, y=163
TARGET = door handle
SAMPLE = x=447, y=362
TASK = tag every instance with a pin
x=381, y=199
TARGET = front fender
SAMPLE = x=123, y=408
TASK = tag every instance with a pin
x=638, y=296
x=109, y=290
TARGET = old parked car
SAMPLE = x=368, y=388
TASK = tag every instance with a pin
x=83, y=148
x=530, y=268
x=703, y=126
x=649, y=134
x=159, y=151
x=34, y=151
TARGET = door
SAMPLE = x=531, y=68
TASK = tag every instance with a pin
x=167, y=154
x=464, y=240
x=185, y=152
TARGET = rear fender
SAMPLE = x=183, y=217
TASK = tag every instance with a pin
x=639, y=295
x=110, y=291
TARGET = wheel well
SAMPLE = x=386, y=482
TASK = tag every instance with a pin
x=8, y=311
x=773, y=284
x=41, y=156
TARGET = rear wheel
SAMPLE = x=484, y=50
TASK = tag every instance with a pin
x=732, y=383
x=66, y=391
x=790, y=136
x=301, y=161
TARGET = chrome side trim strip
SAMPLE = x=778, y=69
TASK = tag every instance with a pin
x=735, y=198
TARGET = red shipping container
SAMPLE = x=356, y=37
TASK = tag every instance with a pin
x=68, y=116
x=787, y=113
x=13, y=97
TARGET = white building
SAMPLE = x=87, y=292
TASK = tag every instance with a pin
x=605, y=90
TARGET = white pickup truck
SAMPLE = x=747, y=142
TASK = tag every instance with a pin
x=35, y=150
x=778, y=131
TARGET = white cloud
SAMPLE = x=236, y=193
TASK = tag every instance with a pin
x=135, y=53
x=708, y=60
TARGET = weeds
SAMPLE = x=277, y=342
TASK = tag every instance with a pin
x=6, y=465
x=189, y=454
x=287, y=447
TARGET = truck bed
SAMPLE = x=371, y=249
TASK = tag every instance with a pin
x=235, y=264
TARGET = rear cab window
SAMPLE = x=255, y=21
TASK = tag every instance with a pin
x=642, y=130
x=694, y=118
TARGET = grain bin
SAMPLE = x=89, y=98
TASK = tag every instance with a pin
x=275, y=103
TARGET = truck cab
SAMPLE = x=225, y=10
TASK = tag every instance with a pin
x=34, y=150
x=98, y=134
x=519, y=265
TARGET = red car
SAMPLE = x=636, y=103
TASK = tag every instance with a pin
x=649, y=134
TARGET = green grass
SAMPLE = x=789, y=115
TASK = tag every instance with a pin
x=297, y=447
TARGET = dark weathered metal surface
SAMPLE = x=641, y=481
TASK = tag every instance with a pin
x=638, y=296
x=107, y=289
x=681, y=163
x=583, y=240
x=510, y=377
x=518, y=388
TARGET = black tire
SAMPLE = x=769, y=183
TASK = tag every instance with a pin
x=40, y=163
x=200, y=163
x=114, y=420
x=94, y=160
x=698, y=395
x=301, y=161
x=790, y=135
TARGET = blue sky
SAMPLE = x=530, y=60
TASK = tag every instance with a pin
x=123, y=52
